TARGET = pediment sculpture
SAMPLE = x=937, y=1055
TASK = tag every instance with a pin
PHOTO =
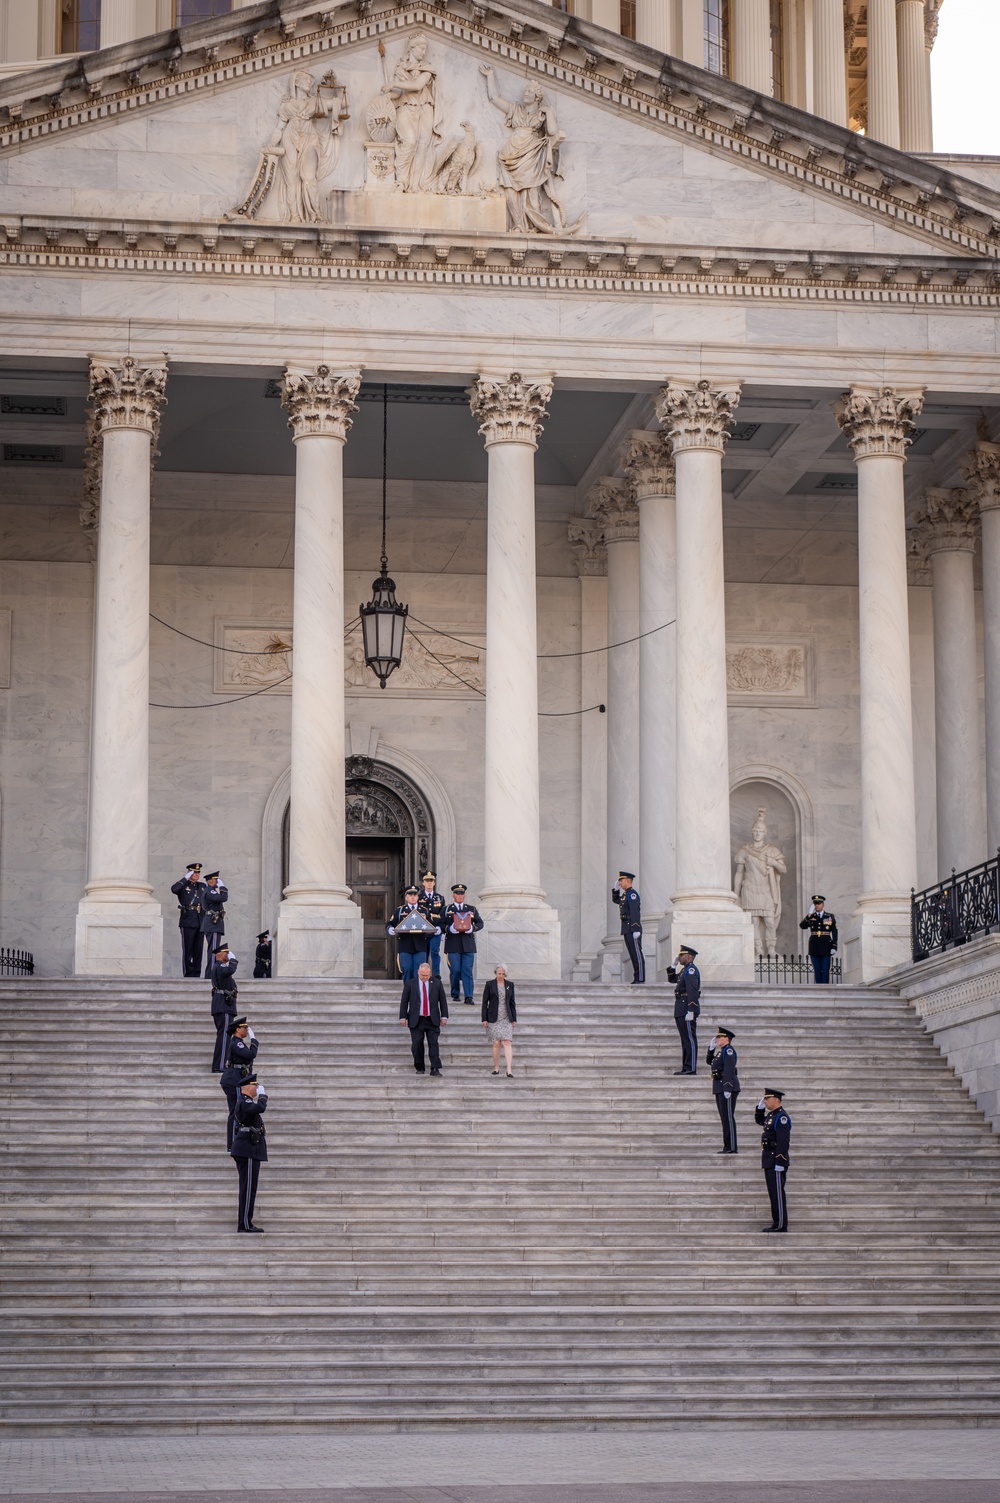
x=528, y=161
x=302, y=153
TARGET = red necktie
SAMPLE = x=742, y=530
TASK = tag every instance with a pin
x=425, y=1010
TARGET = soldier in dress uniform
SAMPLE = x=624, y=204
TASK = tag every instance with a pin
x=224, y=965
x=241, y=1051
x=624, y=895
x=822, y=928
x=686, y=979
x=213, y=919
x=262, y=957
x=432, y=906
x=411, y=948
x=189, y=892
x=464, y=923
x=774, y=1143
x=721, y=1060
x=249, y=1148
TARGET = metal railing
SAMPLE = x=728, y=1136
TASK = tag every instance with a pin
x=955, y=911
x=17, y=963
x=793, y=970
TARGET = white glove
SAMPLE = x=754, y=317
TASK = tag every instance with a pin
x=760, y=1103
x=437, y=931
x=232, y=954
x=689, y=1017
x=261, y=1095
x=391, y=932
x=727, y=1095
x=250, y=1034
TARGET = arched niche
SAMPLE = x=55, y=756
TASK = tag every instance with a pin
x=789, y=826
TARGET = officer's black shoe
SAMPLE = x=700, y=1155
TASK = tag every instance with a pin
x=419, y=1069
x=468, y=1002
x=683, y=1072
x=778, y=1229
x=249, y=1230
x=720, y=1151
x=637, y=982
x=771, y=1228
x=435, y=1072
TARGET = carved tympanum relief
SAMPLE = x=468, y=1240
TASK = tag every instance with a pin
x=252, y=656
x=301, y=154
x=765, y=671
x=528, y=161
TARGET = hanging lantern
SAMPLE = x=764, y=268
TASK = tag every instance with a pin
x=383, y=619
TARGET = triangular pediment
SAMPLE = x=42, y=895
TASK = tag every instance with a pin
x=479, y=124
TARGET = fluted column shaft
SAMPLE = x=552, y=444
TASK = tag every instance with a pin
x=652, y=24
x=592, y=565
x=883, y=72
x=519, y=924
x=914, y=101
x=751, y=44
x=982, y=472
x=119, y=928
x=829, y=61
x=319, y=928
x=949, y=527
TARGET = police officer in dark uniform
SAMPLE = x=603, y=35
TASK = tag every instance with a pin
x=189, y=892
x=411, y=948
x=213, y=919
x=721, y=1060
x=432, y=906
x=625, y=897
x=262, y=957
x=822, y=928
x=241, y=1051
x=686, y=978
x=463, y=922
x=774, y=1143
x=249, y=1148
x=224, y=965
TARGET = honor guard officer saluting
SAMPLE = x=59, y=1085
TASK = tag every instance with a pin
x=725, y=1085
x=190, y=892
x=262, y=957
x=213, y=919
x=774, y=1141
x=630, y=909
x=249, y=1148
x=822, y=928
x=687, y=1005
x=432, y=906
x=464, y=923
x=224, y=965
x=411, y=948
x=241, y=1051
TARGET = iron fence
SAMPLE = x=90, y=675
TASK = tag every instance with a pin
x=17, y=963
x=956, y=910
x=793, y=970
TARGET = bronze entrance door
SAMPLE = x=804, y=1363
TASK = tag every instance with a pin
x=375, y=877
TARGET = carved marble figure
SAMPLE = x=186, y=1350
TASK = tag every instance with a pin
x=760, y=867
x=304, y=149
x=413, y=91
x=528, y=161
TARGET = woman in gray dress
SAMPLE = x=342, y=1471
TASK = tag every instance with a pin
x=500, y=1018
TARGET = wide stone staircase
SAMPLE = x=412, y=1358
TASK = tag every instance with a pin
x=560, y=1249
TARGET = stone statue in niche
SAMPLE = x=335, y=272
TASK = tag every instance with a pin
x=303, y=151
x=406, y=149
x=528, y=161
x=757, y=883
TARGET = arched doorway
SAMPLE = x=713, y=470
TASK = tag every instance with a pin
x=390, y=841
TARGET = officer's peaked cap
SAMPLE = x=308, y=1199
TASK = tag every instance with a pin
x=770, y=1091
x=194, y=866
x=248, y=1080
x=687, y=950
x=265, y=935
x=726, y=1032
x=459, y=887
x=630, y=875
x=818, y=897
x=222, y=950
x=412, y=889
x=429, y=877
x=237, y=1023
x=210, y=875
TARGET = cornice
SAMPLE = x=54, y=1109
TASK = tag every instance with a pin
x=531, y=38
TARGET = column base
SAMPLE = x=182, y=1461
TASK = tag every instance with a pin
x=319, y=936
x=876, y=939
x=581, y=968
x=719, y=930
x=524, y=934
x=611, y=964
x=118, y=936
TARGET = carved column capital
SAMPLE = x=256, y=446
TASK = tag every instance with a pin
x=587, y=542
x=696, y=417
x=879, y=420
x=981, y=469
x=648, y=463
x=932, y=20
x=510, y=411
x=948, y=522
x=127, y=395
x=320, y=402
x=613, y=506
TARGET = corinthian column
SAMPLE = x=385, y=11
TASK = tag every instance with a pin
x=948, y=529
x=883, y=72
x=119, y=929
x=751, y=46
x=706, y=912
x=914, y=100
x=829, y=61
x=617, y=516
x=649, y=466
x=521, y=928
x=981, y=471
x=320, y=929
x=877, y=423
x=592, y=566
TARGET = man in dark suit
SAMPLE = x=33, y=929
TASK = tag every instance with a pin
x=213, y=917
x=411, y=948
x=423, y=1007
x=190, y=892
x=464, y=924
x=223, y=976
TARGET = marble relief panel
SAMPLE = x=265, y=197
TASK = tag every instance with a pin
x=770, y=670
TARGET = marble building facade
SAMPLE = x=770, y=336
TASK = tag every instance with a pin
x=665, y=359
